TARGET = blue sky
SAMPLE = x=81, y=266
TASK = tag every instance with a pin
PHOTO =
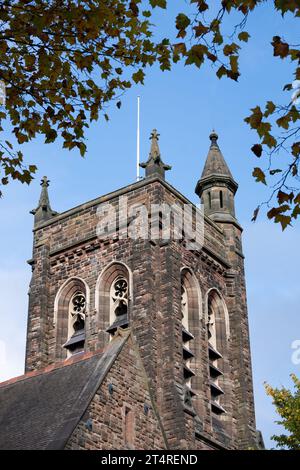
x=184, y=106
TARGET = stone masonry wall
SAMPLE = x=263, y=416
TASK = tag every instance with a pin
x=69, y=247
x=105, y=415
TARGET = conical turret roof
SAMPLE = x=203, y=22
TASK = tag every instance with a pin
x=215, y=168
x=215, y=163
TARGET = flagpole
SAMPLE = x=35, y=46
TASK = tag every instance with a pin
x=138, y=141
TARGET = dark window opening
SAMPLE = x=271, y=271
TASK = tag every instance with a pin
x=77, y=311
x=215, y=373
x=121, y=309
x=221, y=199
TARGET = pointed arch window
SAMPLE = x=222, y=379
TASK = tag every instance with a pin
x=70, y=313
x=118, y=304
x=113, y=300
x=216, y=333
x=192, y=363
x=187, y=339
x=76, y=323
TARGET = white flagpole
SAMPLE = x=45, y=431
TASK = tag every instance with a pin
x=138, y=141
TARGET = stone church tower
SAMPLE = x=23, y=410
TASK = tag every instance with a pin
x=136, y=342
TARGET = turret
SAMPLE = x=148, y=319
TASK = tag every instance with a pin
x=217, y=187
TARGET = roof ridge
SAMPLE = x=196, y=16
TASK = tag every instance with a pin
x=82, y=356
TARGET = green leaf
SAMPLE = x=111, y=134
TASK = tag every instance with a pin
x=284, y=220
x=32, y=168
x=280, y=49
x=158, y=3
x=221, y=71
x=82, y=148
x=284, y=197
x=255, y=118
x=263, y=129
x=297, y=199
x=200, y=29
x=22, y=138
x=296, y=211
x=229, y=49
x=259, y=175
x=202, y=5
x=270, y=108
x=179, y=48
x=182, y=21
x=269, y=140
x=244, y=36
x=283, y=122
x=138, y=77
x=277, y=210
x=50, y=136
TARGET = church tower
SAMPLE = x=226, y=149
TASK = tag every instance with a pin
x=148, y=331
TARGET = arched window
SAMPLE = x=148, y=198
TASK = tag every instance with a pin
x=191, y=332
x=76, y=324
x=118, y=304
x=70, y=311
x=218, y=335
x=187, y=337
x=113, y=297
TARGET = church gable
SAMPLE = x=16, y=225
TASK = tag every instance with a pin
x=43, y=408
x=122, y=413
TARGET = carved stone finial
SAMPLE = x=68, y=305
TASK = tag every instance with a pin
x=43, y=211
x=214, y=138
x=154, y=151
x=154, y=165
x=45, y=182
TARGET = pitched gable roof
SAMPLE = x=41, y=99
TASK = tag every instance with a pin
x=41, y=411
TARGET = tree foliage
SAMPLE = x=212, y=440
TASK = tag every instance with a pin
x=287, y=406
x=64, y=61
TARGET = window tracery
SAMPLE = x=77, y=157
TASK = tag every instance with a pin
x=76, y=325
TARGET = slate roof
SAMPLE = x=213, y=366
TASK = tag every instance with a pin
x=40, y=410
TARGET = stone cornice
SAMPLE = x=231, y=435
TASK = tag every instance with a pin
x=213, y=180
x=119, y=192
